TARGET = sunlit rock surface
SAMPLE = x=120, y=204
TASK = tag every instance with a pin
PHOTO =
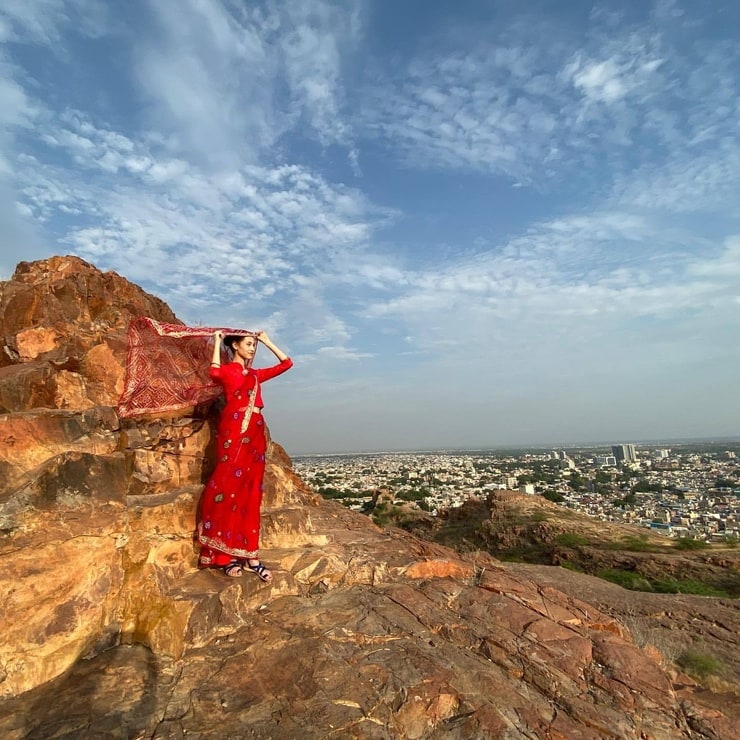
x=109, y=630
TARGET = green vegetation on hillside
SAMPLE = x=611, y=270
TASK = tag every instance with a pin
x=640, y=561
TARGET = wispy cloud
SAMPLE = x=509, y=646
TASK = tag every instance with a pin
x=46, y=21
x=243, y=236
x=312, y=45
x=542, y=114
x=230, y=80
x=571, y=285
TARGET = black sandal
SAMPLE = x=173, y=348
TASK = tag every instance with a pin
x=260, y=571
x=234, y=569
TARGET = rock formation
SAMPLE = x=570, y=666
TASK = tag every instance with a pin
x=109, y=630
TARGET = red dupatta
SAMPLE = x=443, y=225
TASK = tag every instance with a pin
x=167, y=367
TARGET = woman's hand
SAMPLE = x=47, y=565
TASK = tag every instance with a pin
x=262, y=337
x=218, y=335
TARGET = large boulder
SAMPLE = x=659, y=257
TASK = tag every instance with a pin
x=63, y=329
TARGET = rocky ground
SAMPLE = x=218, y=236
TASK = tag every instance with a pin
x=520, y=528
x=372, y=634
x=110, y=631
x=673, y=624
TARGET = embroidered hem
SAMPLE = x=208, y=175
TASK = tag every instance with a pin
x=218, y=544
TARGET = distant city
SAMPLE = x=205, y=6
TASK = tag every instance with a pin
x=689, y=489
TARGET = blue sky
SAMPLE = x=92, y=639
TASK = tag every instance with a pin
x=470, y=224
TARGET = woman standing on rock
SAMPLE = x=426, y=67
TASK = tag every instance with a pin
x=229, y=521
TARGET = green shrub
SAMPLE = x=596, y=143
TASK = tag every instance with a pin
x=688, y=586
x=571, y=539
x=689, y=543
x=571, y=566
x=634, y=544
x=526, y=552
x=699, y=665
x=636, y=582
x=626, y=579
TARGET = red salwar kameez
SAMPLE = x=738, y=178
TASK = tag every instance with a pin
x=229, y=520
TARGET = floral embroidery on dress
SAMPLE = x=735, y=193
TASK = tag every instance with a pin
x=218, y=497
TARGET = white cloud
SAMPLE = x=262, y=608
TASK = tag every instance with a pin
x=547, y=115
x=209, y=81
x=16, y=108
x=45, y=21
x=457, y=111
x=247, y=239
x=230, y=80
x=311, y=49
x=612, y=79
x=581, y=283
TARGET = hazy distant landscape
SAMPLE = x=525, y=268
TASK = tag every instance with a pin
x=667, y=500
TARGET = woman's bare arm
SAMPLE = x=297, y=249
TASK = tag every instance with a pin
x=262, y=337
x=217, y=337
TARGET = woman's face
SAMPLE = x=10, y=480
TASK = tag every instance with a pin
x=245, y=348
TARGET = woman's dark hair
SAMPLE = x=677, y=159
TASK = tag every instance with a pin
x=229, y=340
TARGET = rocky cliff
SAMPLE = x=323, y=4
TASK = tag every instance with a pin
x=109, y=630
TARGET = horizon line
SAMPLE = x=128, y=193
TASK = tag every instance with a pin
x=522, y=447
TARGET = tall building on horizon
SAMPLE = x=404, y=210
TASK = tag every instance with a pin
x=605, y=460
x=624, y=453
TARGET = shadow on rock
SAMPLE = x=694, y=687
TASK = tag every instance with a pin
x=113, y=695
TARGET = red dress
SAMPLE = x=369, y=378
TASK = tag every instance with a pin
x=229, y=520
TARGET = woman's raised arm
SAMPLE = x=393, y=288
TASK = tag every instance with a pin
x=218, y=335
x=262, y=337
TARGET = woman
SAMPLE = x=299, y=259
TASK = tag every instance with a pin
x=229, y=522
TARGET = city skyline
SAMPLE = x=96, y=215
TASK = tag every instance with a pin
x=538, y=447
x=470, y=225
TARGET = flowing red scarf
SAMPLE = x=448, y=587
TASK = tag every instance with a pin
x=167, y=367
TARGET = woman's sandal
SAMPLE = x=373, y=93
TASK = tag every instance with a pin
x=233, y=569
x=260, y=571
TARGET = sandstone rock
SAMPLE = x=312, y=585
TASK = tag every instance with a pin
x=71, y=391
x=23, y=387
x=177, y=453
x=29, y=439
x=63, y=309
x=30, y=343
x=57, y=603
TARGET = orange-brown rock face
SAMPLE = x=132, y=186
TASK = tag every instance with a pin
x=362, y=633
x=63, y=330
